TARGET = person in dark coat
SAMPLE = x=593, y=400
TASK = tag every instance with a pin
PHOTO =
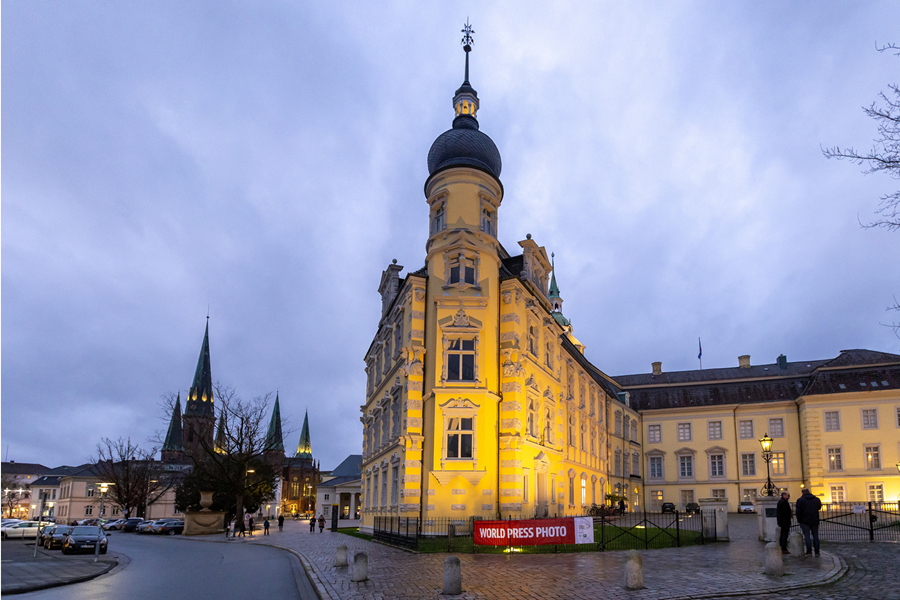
x=250, y=525
x=312, y=523
x=808, y=507
x=266, y=526
x=783, y=518
x=321, y=523
x=280, y=522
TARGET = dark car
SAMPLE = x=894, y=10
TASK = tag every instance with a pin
x=668, y=507
x=171, y=528
x=55, y=539
x=131, y=524
x=84, y=538
x=692, y=507
x=46, y=532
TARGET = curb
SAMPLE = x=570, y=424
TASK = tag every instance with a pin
x=110, y=565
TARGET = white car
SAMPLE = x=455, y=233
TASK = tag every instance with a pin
x=114, y=525
x=746, y=507
x=25, y=529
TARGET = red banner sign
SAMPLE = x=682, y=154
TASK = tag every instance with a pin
x=533, y=532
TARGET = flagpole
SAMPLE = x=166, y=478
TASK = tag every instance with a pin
x=700, y=355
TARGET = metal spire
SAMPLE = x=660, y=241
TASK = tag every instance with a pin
x=467, y=42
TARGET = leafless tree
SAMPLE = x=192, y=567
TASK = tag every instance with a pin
x=13, y=493
x=137, y=479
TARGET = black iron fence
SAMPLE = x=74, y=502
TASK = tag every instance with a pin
x=858, y=521
x=627, y=531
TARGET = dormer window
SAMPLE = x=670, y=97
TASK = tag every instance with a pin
x=437, y=220
x=487, y=221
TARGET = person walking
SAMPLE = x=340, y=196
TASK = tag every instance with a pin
x=266, y=526
x=321, y=523
x=242, y=527
x=808, y=507
x=228, y=525
x=783, y=519
x=250, y=524
x=280, y=522
x=312, y=523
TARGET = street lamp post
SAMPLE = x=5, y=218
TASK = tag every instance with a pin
x=103, y=488
x=766, y=443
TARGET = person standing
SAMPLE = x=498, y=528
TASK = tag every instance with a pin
x=808, y=507
x=266, y=526
x=783, y=518
x=242, y=527
x=321, y=523
x=280, y=522
x=312, y=523
x=250, y=525
x=228, y=524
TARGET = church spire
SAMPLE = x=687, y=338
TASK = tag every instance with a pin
x=174, y=436
x=465, y=101
x=556, y=300
x=304, y=448
x=221, y=444
x=200, y=396
x=274, y=439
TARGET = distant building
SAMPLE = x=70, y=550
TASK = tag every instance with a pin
x=17, y=499
x=342, y=488
x=301, y=477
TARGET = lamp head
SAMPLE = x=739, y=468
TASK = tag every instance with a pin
x=766, y=443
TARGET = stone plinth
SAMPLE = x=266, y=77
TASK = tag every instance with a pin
x=204, y=522
x=766, y=507
x=720, y=506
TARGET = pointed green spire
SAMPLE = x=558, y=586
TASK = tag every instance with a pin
x=221, y=444
x=175, y=437
x=200, y=396
x=304, y=448
x=274, y=439
x=554, y=289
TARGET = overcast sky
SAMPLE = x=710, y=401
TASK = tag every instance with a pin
x=267, y=160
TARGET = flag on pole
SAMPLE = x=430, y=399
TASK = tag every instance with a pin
x=700, y=356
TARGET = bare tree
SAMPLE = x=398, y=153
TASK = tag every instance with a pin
x=13, y=493
x=137, y=479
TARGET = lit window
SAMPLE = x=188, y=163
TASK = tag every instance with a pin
x=776, y=427
x=654, y=434
x=459, y=438
x=656, y=500
x=684, y=432
x=832, y=420
x=745, y=430
x=718, y=494
x=778, y=465
x=716, y=465
x=873, y=458
x=687, y=497
x=837, y=493
x=870, y=418
x=876, y=492
x=748, y=464
x=583, y=491
x=835, y=460
x=715, y=430
x=461, y=360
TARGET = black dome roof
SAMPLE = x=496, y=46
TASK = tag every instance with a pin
x=464, y=146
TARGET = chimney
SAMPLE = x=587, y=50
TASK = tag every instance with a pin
x=657, y=368
x=782, y=362
x=744, y=361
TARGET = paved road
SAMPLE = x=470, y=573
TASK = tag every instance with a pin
x=171, y=567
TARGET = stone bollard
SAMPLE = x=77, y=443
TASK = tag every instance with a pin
x=452, y=576
x=340, y=557
x=795, y=544
x=360, y=568
x=634, y=570
x=774, y=564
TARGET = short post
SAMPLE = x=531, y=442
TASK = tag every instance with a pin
x=452, y=576
x=359, y=571
x=774, y=563
x=795, y=544
x=340, y=557
x=634, y=570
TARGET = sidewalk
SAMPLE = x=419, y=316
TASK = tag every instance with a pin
x=719, y=569
x=21, y=572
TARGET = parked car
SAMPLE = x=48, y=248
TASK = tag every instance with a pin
x=157, y=525
x=84, y=538
x=144, y=526
x=7, y=523
x=25, y=529
x=55, y=538
x=171, y=527
x=45, y=532
x=668, y=507
x=114, y=525
x=692, y=507
x=132, y=523
x=746, y=507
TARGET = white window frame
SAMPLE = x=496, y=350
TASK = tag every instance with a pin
x=651, y=458
x=439, y=217
x=832, y=420
x=872, y=465
x=865, y=416
x=842, y=491
x=835, y=458
x=654, y=433
x=748, y=467
x=745, y=429
x=685, y=432
x=711, y=427
x=656, y=500
x=449, y=339
x=691, y=464
x=870, y=487
x=459, y=409
x=783, y=462
x=776, y=427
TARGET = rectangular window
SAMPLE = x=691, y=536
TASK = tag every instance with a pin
x=88, y=510
x=462, y=270
x=745, y=429
x=898, y=416
x=687, y=497
x=837, y=493
x=634, y=431
x=876, y=492
x=618, y=423
x=461, y=360
x=384, y=488
x=525, y=486
x=571, y=491
x=714, y=429
x=533, y=339
x=459, y=438
x=635, y=464
x=778, y=465
x=748, y=465
x=395, y=481
x=656, y=500
x=686, y=466
x=776, y=427
x=835, y=460
x=717, y=465
x=832, y=420
x=654, y=434
x=90, y=492
x=749, y=495
x=873, y=457
x=583, y=491
x=487, y=221
x=684, y=432
x=870, y=418
x=656, y=467
x=553, y=489
x=437, y=221
x=718, y=494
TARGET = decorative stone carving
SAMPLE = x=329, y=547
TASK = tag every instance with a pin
x=510, y=424
x=413, y=464
x=506, y=296
x=414, y=422
x=414, y=386
x=461, y=319
x=412, y=404
x=510, y=405
x=513, y=369
x=420, y=294
x=509, y=318
x=511, y=386
x=417, y=314
x=417, y=333
x=457, y=507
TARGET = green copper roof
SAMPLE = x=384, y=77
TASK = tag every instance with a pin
x=560, y=319
x=200, y=396
x=304, y=448
x=274, y=439
x=554, y=289
x=175, y=437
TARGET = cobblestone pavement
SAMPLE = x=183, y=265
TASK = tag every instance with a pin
x=713, y=570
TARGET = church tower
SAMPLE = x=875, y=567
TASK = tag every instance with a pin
x=173, y=447
x=304, y=448
x=199, y=418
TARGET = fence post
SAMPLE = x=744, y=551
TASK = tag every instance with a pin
x=646, y=540
x=677, y=530
x=871, y=524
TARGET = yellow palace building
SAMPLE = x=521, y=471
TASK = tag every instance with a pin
x=480, y=401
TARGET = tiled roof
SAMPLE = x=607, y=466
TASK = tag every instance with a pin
x=794, y=369
x=514, y=265
x=350, y=467
x=340, y=480
x=853, y=358
x=14, y=468
x=854, y=380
